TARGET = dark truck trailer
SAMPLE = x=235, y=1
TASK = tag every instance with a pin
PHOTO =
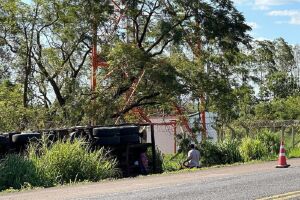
x=123, y=141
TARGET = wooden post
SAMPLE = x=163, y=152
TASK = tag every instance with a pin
x=153, y=149
x=175, y=145
x=293, y=137
x=282, y=133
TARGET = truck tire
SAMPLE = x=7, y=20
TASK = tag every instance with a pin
x=24, y=138
x=102, y=141
x=129, y=130
x=106, y=131
x=3, y=139
x=4, y=142
x=129, y=139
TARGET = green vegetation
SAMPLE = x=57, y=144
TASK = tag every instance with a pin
x=17, y=171
x=173, y=162
x=263, y=146
x=252, y=149
x=224, y=152
x=58, y=163
x=270, y=140
x=294, y=153
x=52, y=75
x=196, y=54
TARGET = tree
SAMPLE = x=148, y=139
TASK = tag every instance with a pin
x=156, y=51
x=275, y=63
x=51, y=40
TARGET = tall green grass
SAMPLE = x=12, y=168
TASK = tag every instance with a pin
x=173, y=162
x=16, y=171
x=48, y=164
x=252, y=149
x=293, y=153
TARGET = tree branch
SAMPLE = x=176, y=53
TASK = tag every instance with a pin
x=81, y=64
x=147, y=24
x=137, y=104
x=162, y=48
x=163, y=35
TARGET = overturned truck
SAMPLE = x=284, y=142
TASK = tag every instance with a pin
x=126, y=142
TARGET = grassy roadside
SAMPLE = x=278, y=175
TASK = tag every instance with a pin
x=66, y=163
x=47, y=164
x=182, y=171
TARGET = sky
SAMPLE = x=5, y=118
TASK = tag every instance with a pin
x=271, y=19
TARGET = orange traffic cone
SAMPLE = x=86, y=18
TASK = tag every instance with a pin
x=282, y=159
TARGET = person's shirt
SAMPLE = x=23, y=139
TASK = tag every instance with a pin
x=194, y=157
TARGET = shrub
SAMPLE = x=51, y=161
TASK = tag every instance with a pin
x=230, y=151
x=173, y=162
x=210, y=154
x=252, y=149
x=294, y=153
x=16, y=171
x=270, y=140
x=225, y=152
x=65, y=162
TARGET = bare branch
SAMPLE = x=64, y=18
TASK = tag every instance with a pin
x=165, y=34
x=81, y=64
x=7, y=43
x=162, y=48
x=138, y=103
x=147, y=23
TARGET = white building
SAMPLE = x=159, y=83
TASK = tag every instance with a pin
x=165, y=134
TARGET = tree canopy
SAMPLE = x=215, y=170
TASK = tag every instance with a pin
x=159, y=53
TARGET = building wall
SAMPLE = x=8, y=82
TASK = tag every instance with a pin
x=164, y=135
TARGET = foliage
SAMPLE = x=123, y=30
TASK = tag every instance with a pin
x=293, y=153
x=252, y=149
x=225, y=152
x=230, y=150
x=17, y=170
x=48, y=44
x=49, y=164
x=210, y=154
x=65, y=162
x=13, y=115
x=173, y=162
x=280, y=109
x=184, y=145
x=275, y=61
x=270, y=140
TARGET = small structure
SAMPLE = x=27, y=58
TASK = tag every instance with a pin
x=165, y=130
x=168, y=126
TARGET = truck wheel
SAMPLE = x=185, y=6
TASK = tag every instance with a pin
x=3, y=139
x=108, y=140
x=4, y=142
x=129, y=130
x=24, y=138
x=106, y=131
x=130, y=139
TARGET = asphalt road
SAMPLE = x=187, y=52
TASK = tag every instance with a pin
x=251, y=181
